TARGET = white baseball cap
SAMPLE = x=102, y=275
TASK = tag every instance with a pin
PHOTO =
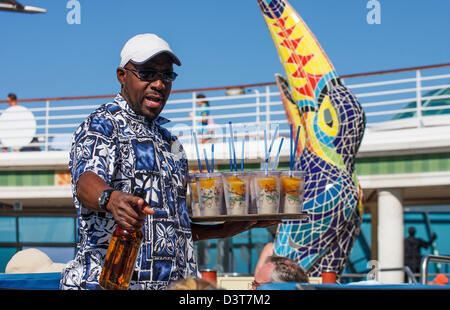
x=32, y=260
x=140, y=48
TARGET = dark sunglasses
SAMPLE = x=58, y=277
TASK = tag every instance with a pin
x=151, y=75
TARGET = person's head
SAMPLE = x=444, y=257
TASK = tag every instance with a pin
x=202, y=101
x=12, y=99
x=411, y=231
x=191, y=284
x=146, y=74
x=279, y=269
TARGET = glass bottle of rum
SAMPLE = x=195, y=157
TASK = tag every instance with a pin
x=121, y=256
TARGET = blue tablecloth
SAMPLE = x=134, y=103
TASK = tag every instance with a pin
x=30, y=281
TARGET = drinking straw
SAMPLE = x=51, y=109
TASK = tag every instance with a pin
x=198, y=154
x=293, y=152
x=273, y=139
x=229, y=147
x=232, y=144
x=206, y=159
x=270, y=149
x=265, y=144
x=242, y=157
x=296, y=142
x=290, y=152
x=278, y=154
x=212, y=158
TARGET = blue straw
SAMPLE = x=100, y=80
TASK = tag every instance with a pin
x=232, y=144
x=242, y=158
x=296, y=142
x=273, y=140
x=206, y=159
x=198, y=154
x=278, y=154
x=229, y=147
x=212, y=158
x=290, y=153
x=265, y=144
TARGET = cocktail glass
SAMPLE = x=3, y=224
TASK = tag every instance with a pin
x=292, y=190
x=210, y=193
x=236, y=189
x=194, y=207
x=265, y=191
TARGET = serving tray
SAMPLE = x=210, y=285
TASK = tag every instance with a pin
x=249, y=217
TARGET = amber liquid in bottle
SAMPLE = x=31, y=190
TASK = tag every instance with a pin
x=121, y=257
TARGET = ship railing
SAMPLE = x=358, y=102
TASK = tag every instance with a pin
x=394, y=99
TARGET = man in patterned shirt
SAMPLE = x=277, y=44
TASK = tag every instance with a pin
x=121, y=146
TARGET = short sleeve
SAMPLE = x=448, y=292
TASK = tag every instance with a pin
x=94, y=149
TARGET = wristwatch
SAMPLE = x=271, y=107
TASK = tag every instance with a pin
x=104, y=198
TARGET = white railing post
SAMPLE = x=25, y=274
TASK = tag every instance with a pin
x=419, y=97
x=267, y=109
x=258, y=112
x=47, y=122
x=194, y=111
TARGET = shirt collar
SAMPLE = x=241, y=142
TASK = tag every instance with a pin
x=124, y=105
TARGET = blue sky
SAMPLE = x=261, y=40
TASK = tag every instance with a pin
x=220, y=43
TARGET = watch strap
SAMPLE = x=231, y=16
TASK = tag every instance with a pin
x=104, y=198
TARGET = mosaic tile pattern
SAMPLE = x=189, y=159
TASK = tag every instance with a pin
x=331, y=124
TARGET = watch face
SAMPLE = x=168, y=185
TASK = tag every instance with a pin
x=104, y=198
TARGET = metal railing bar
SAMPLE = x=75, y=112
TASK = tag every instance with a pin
x=406, y=269
x=400, y=81
x=382, y=103
x=345, y=76
x=435, y=87
x=395, y=71
x=440, y=107
x=435, y=77
x=373, y=84
x=65, y=108
x=229, y=107
x=390, y=112
x=227, y=116
x=435, y=97
x=64, y=125
x=70, y=108
x=386, y=92
x=424, y=265
x=73, y=116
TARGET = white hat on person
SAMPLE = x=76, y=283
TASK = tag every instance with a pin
x=140, y=48
x=32, y=261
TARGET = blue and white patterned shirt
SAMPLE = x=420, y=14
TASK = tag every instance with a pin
x=125, y=149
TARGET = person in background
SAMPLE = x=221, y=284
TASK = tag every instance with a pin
x=192, y=284
x=12, y=101
x=205, y=118
x=32, y=147
x=412, y=247
x=266, y=252
x=277, y=269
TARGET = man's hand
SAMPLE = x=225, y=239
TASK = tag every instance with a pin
x=128, y=210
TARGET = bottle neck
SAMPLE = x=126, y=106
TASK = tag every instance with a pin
x=119, y=231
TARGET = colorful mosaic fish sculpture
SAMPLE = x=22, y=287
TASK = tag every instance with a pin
x=332, y=124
